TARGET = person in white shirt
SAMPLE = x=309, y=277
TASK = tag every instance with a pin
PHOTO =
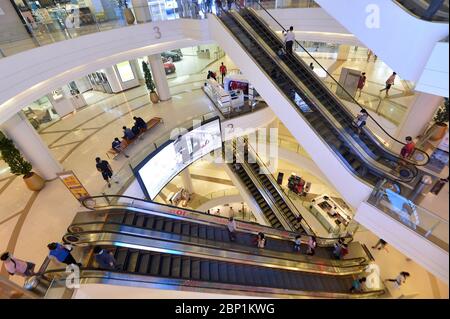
x=289, y=38
x=232, y=227
x=389, y=82
x=401, y=279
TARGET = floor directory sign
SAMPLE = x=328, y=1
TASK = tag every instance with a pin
x=73, y=184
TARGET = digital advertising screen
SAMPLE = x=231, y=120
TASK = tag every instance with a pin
x=162, y=165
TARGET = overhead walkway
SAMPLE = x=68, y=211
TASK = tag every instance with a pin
x=172, y=251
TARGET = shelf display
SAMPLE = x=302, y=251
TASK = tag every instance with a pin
x=330, y=214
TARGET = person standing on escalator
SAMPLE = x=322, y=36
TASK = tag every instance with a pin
x=312, y=243
x=104, y=259
x=62, y=254
x=232, y=227
x=289, y=38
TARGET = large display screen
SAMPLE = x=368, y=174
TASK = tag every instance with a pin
x=165, y=163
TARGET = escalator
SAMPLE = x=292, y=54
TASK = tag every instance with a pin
x=426, y=10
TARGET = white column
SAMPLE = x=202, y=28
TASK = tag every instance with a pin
x=141, y=11
x=159, y=76
x=186, y=179
x=32, y=147
x=343, y=52
x=419, y=115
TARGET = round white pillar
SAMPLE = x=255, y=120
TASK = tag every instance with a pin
x=186, y=179
x=141, y=11
x=159, y=76
x=32, y=147
x=419, y=115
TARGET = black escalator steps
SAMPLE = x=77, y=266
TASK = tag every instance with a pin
x=259, y=277
x=155, y=264
x=115, y=218
x=195, y=269
x=269, y=276
x=218, y=234
x=149, y=222
x=132, y=261
x=159, y=224
x=202, y=232
x=144, y=262
x=330, y=283
x=186, y=229
x=240, y=274
x=168, y=226
x=129, y=219
x=121, y=256
x=209, y=233
x=177, y=227
x=140, y=220
x=232, y=277
x=175, y=270
x=186, y=268
x=214, y=271
x=194, y=230
x=165, y=265
x=223, y=273
x=204, y=270
x=285, y=279
x=317, y=283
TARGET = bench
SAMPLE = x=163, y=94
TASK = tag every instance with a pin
x=126, y=142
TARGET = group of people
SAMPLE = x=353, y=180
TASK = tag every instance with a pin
x=222, y=70
x=259, y=241
x=340, y=249
x=311, y=245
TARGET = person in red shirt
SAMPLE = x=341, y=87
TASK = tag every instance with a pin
x=361, y=83
x=223, y=71
x=408, y=149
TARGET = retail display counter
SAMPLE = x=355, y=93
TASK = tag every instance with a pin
x=333, y=217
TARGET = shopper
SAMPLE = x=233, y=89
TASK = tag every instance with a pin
x=223, y=71
x=400, y=279
x=380, y=244
x=389, y=82
x=104, y=258
x=311, y=66
x=261, y=240
x=361, y=83
x=219, y=7
x=139, y=122
x=232, y=227
x=117, y=146
x=281, y=52
x=297, y=242
x=312, y=243
x=136, y=130
x=231, y=212
x=127, y=133
x=360, y=120
x=62, y=254
x=289, y=38
x=358, y=285
x=369, y=54
x=15, y=266
x=229, y=4
x=409, y=148
x=104, y=168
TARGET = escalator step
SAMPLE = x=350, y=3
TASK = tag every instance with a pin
x=140, y=220
x=165, y=265
x=121, y=256
x=176, y=267
x=159, y=224
x=248, y=273
x=149, y=222
x=223, y=273
x=154, y=264
x=143, y=263
x=195, y=269
x=129, y=219
x=132, y=261
x=231, y=273
x=185, y=229
x=202, y=232
x=204, y=271
x=115, y=218
x=214, y=271
x=168, y=226
x=186, y=268
x=218, y=235
x=194, y=231
x=240, y=274
x=177, y=227
x=210, y=233
x=288, y=279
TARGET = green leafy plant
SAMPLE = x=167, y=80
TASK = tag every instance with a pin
x=148, y=77
x=441, y=116
x=11, y=155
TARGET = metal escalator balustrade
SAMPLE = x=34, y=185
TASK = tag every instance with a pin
x=329, y=134
x=430, y=10
x=316, y=86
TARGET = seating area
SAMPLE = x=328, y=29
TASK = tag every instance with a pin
x=125, y=143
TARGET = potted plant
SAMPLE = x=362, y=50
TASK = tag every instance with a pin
x=149, y=83
x=18, y=165
x=440, y=122
x=127, y=12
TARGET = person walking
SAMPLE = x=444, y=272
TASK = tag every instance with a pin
x=62, y=254
x=311, y=66
x=400, y=279
x=15, y=266
x=289, y=38
x=297, y=243
x=232, y=227
x=104, y=259
x=223, y=71
x=358, y=285
x=380, y=244
x=117, y=146
x=361, y=83
x=312, y=243
x=389, y=82
x=360, y=120
x=408, y=149
x=106, y=170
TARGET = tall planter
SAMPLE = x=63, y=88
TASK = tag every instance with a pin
x=34, y=182
x=440, y=119
x=129, y=16
x=149, y=83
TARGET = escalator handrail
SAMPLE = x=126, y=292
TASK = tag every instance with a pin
x=282, y=233
x=352, y=98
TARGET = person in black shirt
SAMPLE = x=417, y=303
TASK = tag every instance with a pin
x=136, y=130
x=106, y=170
x=139, y=122
x=117, y=146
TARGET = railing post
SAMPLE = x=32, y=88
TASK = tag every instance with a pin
x=2, y=53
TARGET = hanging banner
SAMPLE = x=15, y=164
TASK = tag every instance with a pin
x=74, y=185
